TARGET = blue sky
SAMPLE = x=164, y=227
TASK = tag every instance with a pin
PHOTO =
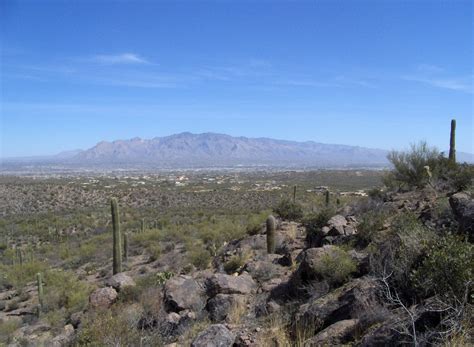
x=371, y=73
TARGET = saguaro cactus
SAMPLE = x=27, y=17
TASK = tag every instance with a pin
x=327, y=197
x=294, y=193
x=452, y=142
x=271, y=231
x=39, y=283
x=125, y=246
x=142, y=225
x=117, y=247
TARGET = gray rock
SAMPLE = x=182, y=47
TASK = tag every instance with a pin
x=336, y=225
x=65, y=338
x=183, y=292
x=227, y=284
x=120, y=281
x=103, y=297
x=311, y=257
x=336, y=334
x=216, y=335
x=346, y=302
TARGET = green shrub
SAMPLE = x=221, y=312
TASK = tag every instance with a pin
x=254, y=224
x=108, y=328
x=199, y=257
x=7, y=327
x=447, y=269
x=336, y=266
x=409, y=167
x=235, y=263
x=369, y=224
x=62, y=289
x=461, y=177
x=289, y=210
x=398, y=251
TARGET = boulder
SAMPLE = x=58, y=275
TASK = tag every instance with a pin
x=336, y=334
x=221, y=305
x=227, y=284
x=336, y=225
x=346, y=302
x=463, y=209
x=103, y=297
x=120, y=281
x=216, y=335
x=66, y=337
x=307, y=270
x=183, y=292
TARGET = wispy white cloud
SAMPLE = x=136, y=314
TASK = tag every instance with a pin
x=457, y=84
x=123, y=58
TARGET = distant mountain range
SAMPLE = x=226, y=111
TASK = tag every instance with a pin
x=187, y=150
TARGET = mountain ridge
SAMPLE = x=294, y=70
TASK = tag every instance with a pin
x=209, y=149
x=221, y=149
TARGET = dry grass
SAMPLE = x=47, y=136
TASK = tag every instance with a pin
x=237, y=312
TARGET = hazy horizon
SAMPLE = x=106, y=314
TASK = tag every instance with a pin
x=370, y=74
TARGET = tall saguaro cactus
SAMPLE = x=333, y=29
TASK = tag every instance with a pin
x=271, y=231
x=142, y=225
x=125, y=246
x=452, y=142
x=39, y=283
x=117, y=247
x=294, y=193
x=327, y=197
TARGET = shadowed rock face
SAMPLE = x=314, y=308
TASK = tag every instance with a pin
x=463, y=209
x=188, y=149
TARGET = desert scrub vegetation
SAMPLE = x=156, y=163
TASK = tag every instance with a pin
x=335, y=266
x=18, y=275
x=447, y=270
x=314, y=223
x=423, y=165
x=288, y=209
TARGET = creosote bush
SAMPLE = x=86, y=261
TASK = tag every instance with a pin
x=409, y=168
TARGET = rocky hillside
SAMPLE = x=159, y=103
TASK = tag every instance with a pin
x=357, y=277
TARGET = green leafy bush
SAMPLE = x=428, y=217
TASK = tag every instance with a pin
x=289, y=210
x=447, y=269
x=336, y=266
